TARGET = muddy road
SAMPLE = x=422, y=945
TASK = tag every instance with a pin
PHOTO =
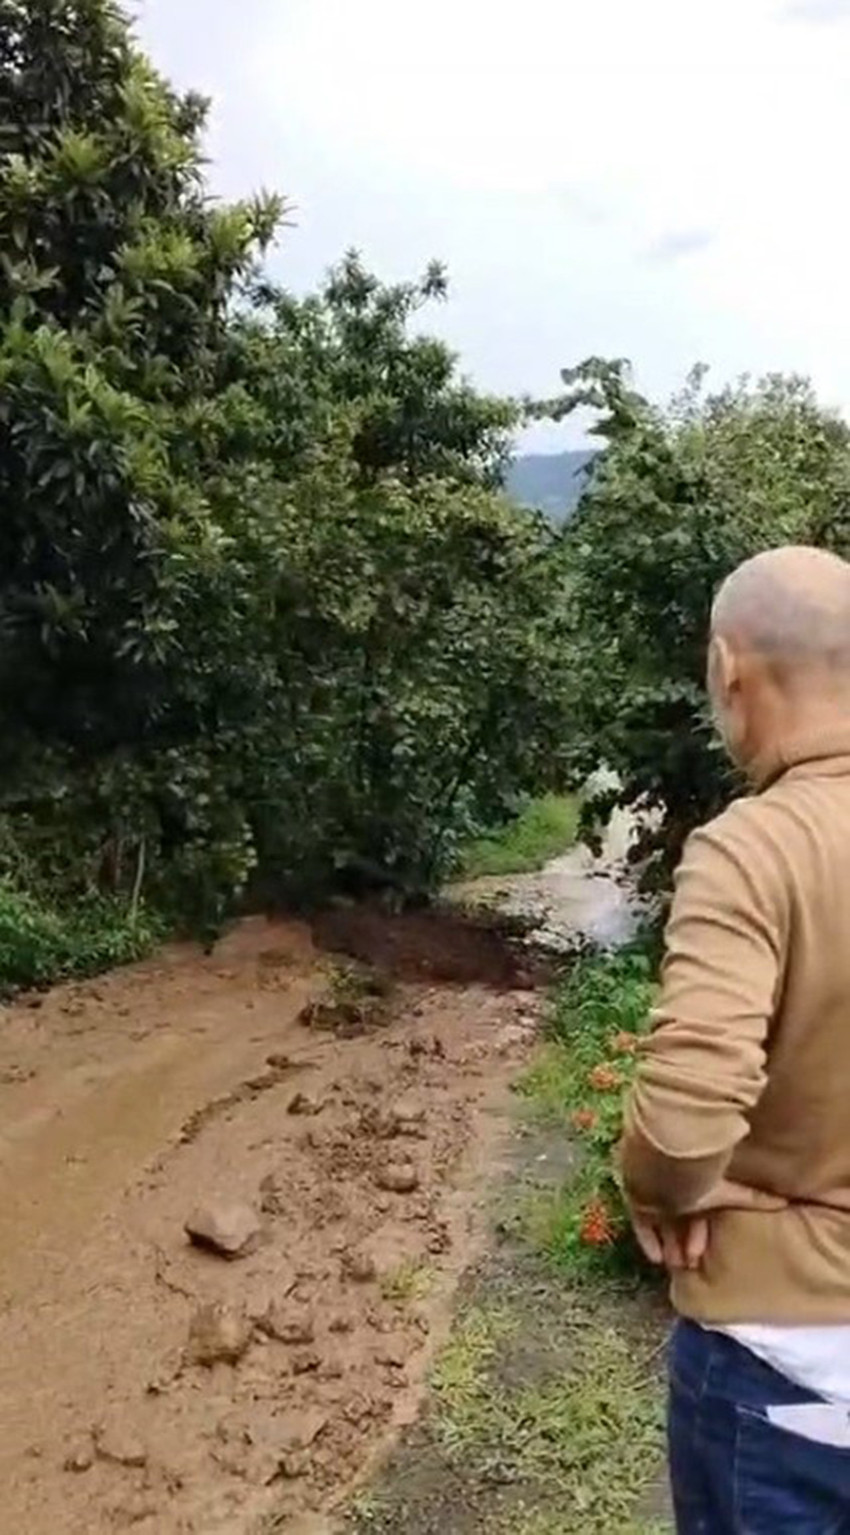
x=153, y=1384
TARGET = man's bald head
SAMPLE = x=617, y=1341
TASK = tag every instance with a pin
x=779, y=659
x=791, y=606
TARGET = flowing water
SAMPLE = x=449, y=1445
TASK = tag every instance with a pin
x=573, y=897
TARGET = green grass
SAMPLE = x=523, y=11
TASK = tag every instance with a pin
x=41, y=944
x=545, y=828
x=582, y=1439
x=409, y=1282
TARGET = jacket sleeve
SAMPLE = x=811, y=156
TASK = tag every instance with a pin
x=703, y=1068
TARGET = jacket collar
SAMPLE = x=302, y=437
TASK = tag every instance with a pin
x=823, y=753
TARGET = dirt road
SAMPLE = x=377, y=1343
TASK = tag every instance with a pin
x=189, y=1082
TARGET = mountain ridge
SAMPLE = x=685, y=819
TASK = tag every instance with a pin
x=549, y=482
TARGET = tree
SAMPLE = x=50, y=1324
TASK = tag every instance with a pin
x=416, y=652
x=349, y=348
x=115, y=279
x=261, y=607
x=676, y=500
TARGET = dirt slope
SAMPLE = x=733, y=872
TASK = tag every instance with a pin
x=127, y=1103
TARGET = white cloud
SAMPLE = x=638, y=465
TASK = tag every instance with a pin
x=677, y=244
x=818, y=11
x=544, y=151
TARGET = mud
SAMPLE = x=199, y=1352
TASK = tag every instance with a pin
x=440, y=944
x=148, y=1384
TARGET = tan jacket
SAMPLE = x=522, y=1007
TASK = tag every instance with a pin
x=742, y=1102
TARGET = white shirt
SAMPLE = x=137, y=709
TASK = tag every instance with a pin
x=815, y=1358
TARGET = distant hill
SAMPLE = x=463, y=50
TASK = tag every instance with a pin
x=551, y=482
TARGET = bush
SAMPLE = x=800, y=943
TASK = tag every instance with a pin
x=40, y=944
x=601, y=1010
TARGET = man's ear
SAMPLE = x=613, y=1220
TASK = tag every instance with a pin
x=723, y=667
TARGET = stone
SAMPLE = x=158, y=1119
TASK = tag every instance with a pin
x=231, y=1230
x=287, y=1323
x=409, y=1116
x=341, y=1323
x=279, y=1060
x=397, y=1178
x=136, y=1509
x=80, y=1458
x=406, y=1117
x=117, y=1445
x=439, y=1240
x=299, y=1430
x=303, y=1103
x=394, y=1352
x=358, y=1266
x=512, y=1037
x=359, y=1408
x=235, y=1459
x=305, y=1361
x=272, y=1195
x=218, y=1334
x=15, y=1074
x=294, y=1464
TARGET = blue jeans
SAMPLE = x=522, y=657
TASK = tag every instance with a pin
x=733, y=1472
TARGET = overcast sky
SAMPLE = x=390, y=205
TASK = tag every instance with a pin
x=667, y=180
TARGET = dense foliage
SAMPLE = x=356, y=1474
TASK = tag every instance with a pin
x=263, y=612
x=677, y=498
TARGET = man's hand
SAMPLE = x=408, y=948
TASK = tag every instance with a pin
x=677, y=1244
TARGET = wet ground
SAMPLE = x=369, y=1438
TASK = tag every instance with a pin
x=574, y=897
x=336, y=1167
x=148, y=1383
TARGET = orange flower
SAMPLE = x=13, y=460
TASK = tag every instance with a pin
x=585, y=1119
x=625, y=1043
x=597, y=1227
x=604, y=1079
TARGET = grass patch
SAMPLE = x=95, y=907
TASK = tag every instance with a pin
x=579, y=1439
x=409, y=1282
x=545, y=828
x=354, y=1000
x=545, y=1418
x=461, y=1381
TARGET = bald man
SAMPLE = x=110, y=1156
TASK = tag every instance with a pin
x=736, y=1152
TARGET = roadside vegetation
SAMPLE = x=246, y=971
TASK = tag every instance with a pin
x=267, y=623
x=678, y=496
x=269, y=626
x=547, y=1406
x=579, y=1082
x=40, y=944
